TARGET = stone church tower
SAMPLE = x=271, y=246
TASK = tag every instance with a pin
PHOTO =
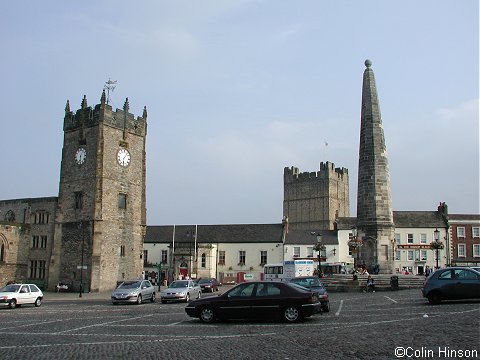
x=313, y=200
x=374, y=201
x=101, y=213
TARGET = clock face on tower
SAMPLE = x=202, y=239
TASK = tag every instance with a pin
x=123, y=157
x=80, y=156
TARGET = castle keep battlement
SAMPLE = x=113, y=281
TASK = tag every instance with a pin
x=327, y=170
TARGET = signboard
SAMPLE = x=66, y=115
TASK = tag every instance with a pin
x=247, y=277
x=79, y=267
x=414, y=247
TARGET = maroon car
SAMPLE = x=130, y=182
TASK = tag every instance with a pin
x=208, y=284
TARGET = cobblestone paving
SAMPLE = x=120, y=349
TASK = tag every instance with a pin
x=381, y=325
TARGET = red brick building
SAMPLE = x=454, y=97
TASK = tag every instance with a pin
x=465, y=239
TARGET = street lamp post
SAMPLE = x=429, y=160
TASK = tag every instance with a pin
x=321, y=252
x=354, y=244
x=436, y=245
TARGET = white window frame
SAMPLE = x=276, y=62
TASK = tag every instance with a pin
x=423, y=238
x=423, y=255
x=398, y=238
x=476, y=231
x=461, y=250
x=410, y=239
x=410, y=255
x=476, y=250
x=296, y=251
x=309, y=251
x=460, y=231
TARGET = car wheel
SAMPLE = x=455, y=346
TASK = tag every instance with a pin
x=326, y=307
x=434, y=298
x=187, y=298
x=291, y=314
x=139, y=299
x=152, y=299
x=12, y=304
x=199, y=295
x=38, y=302
x=207, y=315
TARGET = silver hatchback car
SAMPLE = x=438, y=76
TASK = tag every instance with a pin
x=181, y=290
x=135, y=291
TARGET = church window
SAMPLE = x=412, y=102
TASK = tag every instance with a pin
x=2, y=253
x=10, y=216
x=122, y=251
x=204, y=260
x=122, y=201
x=35, y=241
x=78, y=200
x=37, y=269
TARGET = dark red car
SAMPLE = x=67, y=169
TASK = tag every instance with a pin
x=208, y=284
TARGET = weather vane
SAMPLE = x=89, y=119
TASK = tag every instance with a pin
x=109, y=86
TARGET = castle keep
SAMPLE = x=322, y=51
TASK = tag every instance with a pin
x=313, y=200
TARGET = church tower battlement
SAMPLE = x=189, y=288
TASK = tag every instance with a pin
x=313, y=200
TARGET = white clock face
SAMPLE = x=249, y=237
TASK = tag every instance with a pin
x=123, y=157
x=80, y=156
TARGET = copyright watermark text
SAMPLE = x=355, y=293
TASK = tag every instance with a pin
x=408, y=352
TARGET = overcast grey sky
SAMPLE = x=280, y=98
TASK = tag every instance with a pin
x=238, y=90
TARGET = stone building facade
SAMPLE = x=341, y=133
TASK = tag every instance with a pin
x=90, y=236
x=313, y=200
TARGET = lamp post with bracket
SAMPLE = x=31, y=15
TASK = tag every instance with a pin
x=321, y=252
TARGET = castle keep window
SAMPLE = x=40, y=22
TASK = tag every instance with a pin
x=10, y=216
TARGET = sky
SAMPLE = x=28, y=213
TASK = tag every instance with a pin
x=237, y=90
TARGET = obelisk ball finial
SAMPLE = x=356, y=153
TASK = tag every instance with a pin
x=368, y=63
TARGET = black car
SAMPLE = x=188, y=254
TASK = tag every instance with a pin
x=257, y=300
x=313, y=283
x=451, y=284
x=208, y=284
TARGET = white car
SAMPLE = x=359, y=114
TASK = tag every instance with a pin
x=14, y=295
x=181, y=290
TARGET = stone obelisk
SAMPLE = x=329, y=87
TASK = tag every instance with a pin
x=374, y=201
